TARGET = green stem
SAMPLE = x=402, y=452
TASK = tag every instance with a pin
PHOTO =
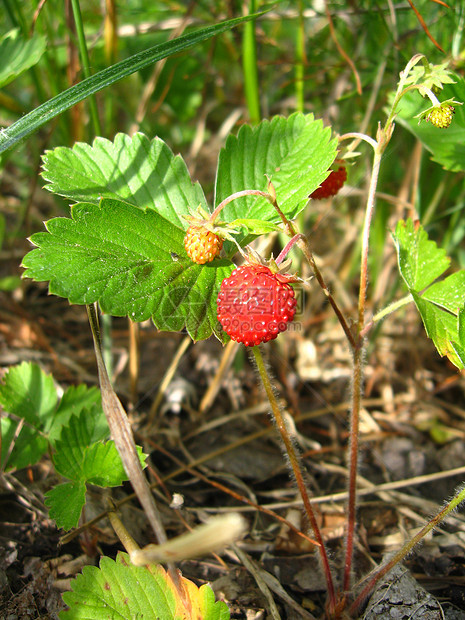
x=400, y=87
x=300, y=60
x=297, y=471
x=392, y=308
x=407, y=548
x=304, y=245
x=85, y=63
x=458, y=34
x=249, y=63
x=366, y=239
x=385, y=312
x=289, y=245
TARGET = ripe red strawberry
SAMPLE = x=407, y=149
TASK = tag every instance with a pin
x=202, y=245
x=331, y=185
x=255, y=304
x=442, y=116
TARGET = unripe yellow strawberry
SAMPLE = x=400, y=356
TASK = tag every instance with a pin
x=441, y=116
x=202, y=245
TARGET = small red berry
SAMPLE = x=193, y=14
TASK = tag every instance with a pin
x=255, y=304
x=202, y=245
x=331, y=185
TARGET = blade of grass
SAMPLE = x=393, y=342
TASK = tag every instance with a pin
x=65, y=100
x=84, y=54
x=249, y=63
x=300, y=60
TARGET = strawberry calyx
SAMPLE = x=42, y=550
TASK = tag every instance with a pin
x=277, y=269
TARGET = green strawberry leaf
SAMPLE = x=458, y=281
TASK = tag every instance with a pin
x=420, y=260
x=28, y=446
x=447, y=146
x=65, y=503
x=29, y=394
x=74, y=400
x=118, y=589
x=449, y=293
x=441, y=305
x=142, y=172
x=80, y=456
x=459, y=346
x=295, y=152
x=18, y=54
x=83, y=458
x=132, y=262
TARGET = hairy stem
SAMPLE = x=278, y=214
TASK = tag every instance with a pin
x=400, y=303
x=289, y=245
x=357, y=386
x=297, y=471
x=366, y=240
x=304, y=245
x=407, y=548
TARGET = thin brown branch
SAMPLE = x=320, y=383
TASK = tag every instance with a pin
x=424, y=26
x=342, y=51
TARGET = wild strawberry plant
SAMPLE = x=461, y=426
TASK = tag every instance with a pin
x=124, y=248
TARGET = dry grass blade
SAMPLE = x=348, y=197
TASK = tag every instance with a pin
x=121, y=433
x=169, y=374
x=227, y=359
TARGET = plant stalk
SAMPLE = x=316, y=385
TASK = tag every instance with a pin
x=358, y=354
x=400, y=303
x=407, y=548
x=241, y=194
x=304, y=245
x=124, y=536
x=121, y=433
x=297, y=471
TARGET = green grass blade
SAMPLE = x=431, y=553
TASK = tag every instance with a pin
x=65, y=100
x=249, y=52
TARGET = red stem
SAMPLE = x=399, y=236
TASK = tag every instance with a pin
x=282, y=255
x=358, y=370
x=241, y=194
x=295, y=464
